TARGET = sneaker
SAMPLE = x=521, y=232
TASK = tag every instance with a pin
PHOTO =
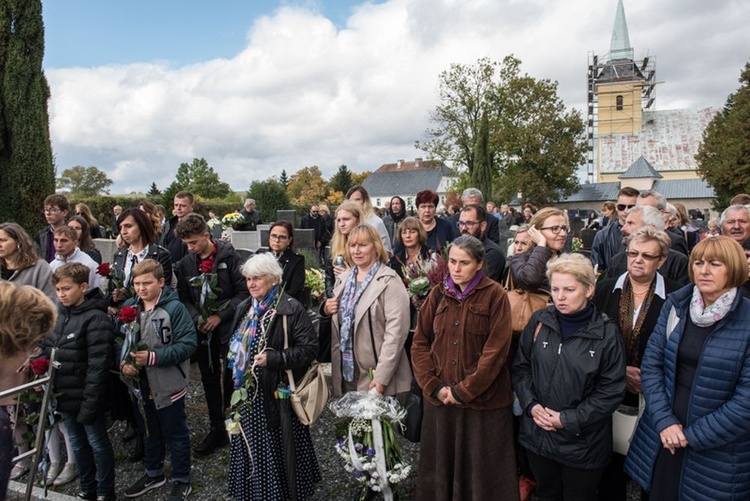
x=52, y=473
x=67, y=475
x=214, y=440
x=179, y=491
x=144, y=485
x=88, y=496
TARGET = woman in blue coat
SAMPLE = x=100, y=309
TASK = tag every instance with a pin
x=693, y=441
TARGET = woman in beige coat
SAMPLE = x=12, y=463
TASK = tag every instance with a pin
x=370, y=311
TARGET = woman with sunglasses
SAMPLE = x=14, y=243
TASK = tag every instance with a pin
x=634, y=300
x=548, y=232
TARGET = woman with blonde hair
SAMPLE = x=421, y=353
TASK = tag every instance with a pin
x=359, y=194
x=94, y=228
x=370, y=316
x=348, y=216
x=548, y=231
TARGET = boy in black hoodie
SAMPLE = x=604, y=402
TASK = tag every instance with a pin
x=83, y=337
x=208, y=260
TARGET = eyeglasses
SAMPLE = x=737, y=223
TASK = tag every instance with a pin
x=280, y=238
x=50, y=210
x=648, y=257
x=622, y=207
x=557, y=229
x=467, y=224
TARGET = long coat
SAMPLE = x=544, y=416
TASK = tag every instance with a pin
x=716, y=464
x=385, y=304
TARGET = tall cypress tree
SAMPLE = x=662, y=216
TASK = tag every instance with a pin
x=26, y=169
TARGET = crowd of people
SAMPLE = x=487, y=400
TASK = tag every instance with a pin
x=650, y=321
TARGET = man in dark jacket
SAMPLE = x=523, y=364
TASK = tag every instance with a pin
x=205, y=259
x=314, y=221
x=184, y=203
x=608, y=241
x=472, y=196
x=472, y=221
x=392, y=220
x=251, y=215
x=55, y=211
x=83, y=338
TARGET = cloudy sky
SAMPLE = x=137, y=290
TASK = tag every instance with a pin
x=257, y=86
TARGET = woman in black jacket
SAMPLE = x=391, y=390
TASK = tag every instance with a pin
x=569, y=375
x=548, y=232
x=268, y=429
x=281, y=241
x=641, y=289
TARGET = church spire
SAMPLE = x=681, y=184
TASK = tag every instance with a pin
x=619, y=47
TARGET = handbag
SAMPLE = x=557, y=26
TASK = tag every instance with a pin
x=310, y=395
x=414, y=405
x=523, y=304
x=624, y=421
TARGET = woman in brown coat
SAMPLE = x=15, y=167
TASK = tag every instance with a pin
x=459, y=357
x=370, y=311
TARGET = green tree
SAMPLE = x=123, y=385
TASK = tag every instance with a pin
x=509, y=132
x=342, y=180
x=269, y=195
x=198, y=178
x=84, y=181
x=307, y=186
x=153, y=191
x=284, y=179
x=26, y=166
x=724, y=154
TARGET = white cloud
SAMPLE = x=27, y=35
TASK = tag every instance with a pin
x=305, y=92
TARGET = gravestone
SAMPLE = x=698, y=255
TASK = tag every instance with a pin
x=287, y=215
x=245, y=240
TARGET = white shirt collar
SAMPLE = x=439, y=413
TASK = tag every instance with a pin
x=659, y=291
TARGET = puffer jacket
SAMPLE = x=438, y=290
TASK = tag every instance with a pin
x=83, y=338
x=169, y=332
x=303, y=347
x=582, y=377
x=716, y=465
x=229, y=280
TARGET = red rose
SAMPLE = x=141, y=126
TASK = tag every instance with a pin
x=206, y=266
x=128, y=314
x=104, y=269
x=39, y=366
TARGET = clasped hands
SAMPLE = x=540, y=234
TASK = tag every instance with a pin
x=546, y=418
x=445, y=395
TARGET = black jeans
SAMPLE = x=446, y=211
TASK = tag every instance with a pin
x=212, y=356
x=558, y=482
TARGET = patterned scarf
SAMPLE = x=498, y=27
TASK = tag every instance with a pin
x=630, y=332
x=348, y=306
x=451, y=289
x=240, y=356
x=704, y=317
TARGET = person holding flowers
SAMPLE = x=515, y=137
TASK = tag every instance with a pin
x=411, y=247
x=211, y=286
x=459, y=355
x=370, y=311
x=83, y=337
x=155, y=362
x=272, y=455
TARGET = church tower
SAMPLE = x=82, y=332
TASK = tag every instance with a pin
x=619, y=89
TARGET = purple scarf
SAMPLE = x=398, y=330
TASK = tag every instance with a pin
x=452, y=290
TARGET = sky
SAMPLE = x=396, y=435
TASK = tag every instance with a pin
x=257, y=86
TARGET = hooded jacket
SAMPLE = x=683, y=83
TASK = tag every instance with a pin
x=230, y=281
x=716, y=464
x=582, y=377
x=169, y=333
x=83, y=337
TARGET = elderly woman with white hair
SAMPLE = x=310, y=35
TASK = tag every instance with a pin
x=569, y=375
x=272, y=457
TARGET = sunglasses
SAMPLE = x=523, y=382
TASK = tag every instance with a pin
x=622, y=207
x=648, y=257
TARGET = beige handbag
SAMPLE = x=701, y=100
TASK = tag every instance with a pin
x=310, y=396
x=523, y=304
x=624, y=421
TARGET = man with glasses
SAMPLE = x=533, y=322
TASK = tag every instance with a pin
x=735, y=223
x=674, y=268
x=472, y=221
x=217, y=258
x=55, y=211
x=655, y=199
x=472, y=196
x=313, y=221
x=608, y=241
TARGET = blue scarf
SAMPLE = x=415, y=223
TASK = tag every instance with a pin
x=240, y=356
x=348, y=306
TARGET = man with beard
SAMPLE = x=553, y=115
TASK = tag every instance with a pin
x=392, y=220
x=675, y=267
x=735, y=223
x=472, y=196
x=472, y=220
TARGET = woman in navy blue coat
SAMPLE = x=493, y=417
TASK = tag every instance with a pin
x=693, y=441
